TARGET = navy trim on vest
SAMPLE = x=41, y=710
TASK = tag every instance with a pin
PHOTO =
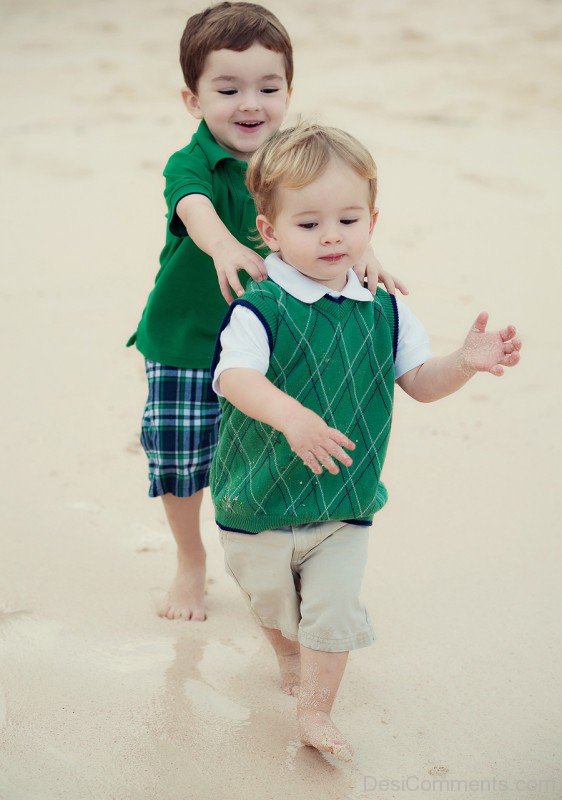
x=233, y=530
x=365, y=523
x=396, y=324
x=339, y=299
x=226, y=320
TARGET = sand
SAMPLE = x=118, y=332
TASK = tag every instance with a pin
x=460, y=695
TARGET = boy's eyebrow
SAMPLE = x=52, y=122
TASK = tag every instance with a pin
x=347, y=208
x=272, y=77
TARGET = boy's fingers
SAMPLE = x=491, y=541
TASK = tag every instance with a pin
x=360, y=270
x=225, y=289
x=511, y=346
x=510, y=360
x=255, y=266
x=309, y=460
x=236, y=285
x=340, y=438
x=326, y=460
x=508, y=333
x=388, y=283
x=401, y=286
x=255, y=272
x=337, y=452
x=480, y=322
x=497, y=371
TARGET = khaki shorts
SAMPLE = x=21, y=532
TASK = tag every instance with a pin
x=305, y=582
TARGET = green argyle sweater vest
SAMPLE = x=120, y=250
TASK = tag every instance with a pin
x=336, y=357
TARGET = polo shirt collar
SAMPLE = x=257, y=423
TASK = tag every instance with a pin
x=211, y=148
x=308, y=291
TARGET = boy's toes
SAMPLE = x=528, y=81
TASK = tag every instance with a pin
x=342, y=750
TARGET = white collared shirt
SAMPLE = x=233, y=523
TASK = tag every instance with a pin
x=244, y=343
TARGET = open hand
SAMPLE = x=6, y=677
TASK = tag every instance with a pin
x=229, y=258
x=315, y=442
x=484, y=351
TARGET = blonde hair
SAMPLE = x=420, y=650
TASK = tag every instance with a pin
x=296, y=156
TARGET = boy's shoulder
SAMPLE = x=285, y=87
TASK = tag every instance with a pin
x=192, y=153
x=202, y=149
x=265, y=292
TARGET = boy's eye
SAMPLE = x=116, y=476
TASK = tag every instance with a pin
x=227, y=91
x=348, y=221
x=270, y=90
x=307, y=225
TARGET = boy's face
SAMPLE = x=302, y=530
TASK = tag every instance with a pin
x=242, y=97
x=323, y=228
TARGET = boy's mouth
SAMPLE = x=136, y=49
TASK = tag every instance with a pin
x=250, y=125
x=333, y=258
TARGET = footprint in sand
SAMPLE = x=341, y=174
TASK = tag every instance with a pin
x=148, y=540
x=10, y=611
x=134, y=445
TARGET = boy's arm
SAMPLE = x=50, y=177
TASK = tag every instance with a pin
x=309, y=437
x=211, y=235
x=480, y=352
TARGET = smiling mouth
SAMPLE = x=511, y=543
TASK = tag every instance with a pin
x=250, y=125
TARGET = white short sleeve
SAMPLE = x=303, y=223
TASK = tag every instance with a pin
x=244, y=345
x=413, y=341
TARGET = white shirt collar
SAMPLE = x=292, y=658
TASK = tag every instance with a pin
x=307, y=290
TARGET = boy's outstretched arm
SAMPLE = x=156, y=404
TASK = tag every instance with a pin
x=211, y=235
x=481, y=351
x=309, y=437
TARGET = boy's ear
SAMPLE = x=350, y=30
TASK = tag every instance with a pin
x=374, y=218
x=191, y=102
x=288, y=100
x=267, y=233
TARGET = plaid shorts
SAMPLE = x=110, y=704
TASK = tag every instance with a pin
x=180, y=427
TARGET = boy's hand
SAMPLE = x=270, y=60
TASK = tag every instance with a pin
x=315, y=442
x=229, y=257
x=369, y=267
x=489, y=352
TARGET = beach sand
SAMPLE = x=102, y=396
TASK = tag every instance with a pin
x=99, y=698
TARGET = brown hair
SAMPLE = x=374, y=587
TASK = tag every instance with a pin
x=295, y=157
x=231, y=26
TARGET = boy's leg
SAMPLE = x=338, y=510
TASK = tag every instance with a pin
x=333, y=621
x=186, y=596
x=321, y=674
x=179, y=435
x=261, y=567
x=288, y=658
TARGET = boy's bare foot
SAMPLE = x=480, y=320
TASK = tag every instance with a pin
x=290, y=669
x=186, y=595
x=316, y=729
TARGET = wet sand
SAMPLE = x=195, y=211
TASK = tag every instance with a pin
x=99, y=698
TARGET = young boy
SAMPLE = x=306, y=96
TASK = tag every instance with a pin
x=306, y=364
x=237, y=64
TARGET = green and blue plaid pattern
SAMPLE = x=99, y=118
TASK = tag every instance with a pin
x=180, y=427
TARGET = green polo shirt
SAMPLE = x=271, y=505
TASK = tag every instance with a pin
x=184, y=311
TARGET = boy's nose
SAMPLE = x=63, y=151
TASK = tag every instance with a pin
x=250, y=101
x=331, y=237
